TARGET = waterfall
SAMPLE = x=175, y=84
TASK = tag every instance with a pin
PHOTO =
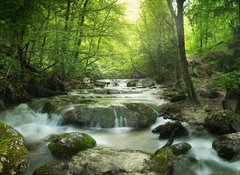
x=119, y=121
x=116, y=122
x=125, y=120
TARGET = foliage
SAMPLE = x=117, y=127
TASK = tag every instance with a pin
x=158, y=43
x=229, y=80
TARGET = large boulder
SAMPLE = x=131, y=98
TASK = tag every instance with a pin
x=228, y=146
x=173, y=95
x=102, y=161
x=68, y=144
x=165, y=130
x=141, y=115
x=170, y=110
x=147, y=82
x=130, y=114
x=14, y=157
x=220, y=123
x=91, y=116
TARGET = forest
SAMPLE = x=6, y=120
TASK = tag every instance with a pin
x=90, y=66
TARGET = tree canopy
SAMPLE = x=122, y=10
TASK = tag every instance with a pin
x=63, y=39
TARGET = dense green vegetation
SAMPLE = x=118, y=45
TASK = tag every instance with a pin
x=46, y=43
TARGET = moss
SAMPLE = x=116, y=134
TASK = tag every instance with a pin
x=47, y=169
x=162, y=162
x=7, y=132
x=69, y=144
x=49, y=108
x=13, y=156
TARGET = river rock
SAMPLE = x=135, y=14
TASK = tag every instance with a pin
x=163, y=160
x=132, y=83
x=228, y=146
x=170, y=110
x=49, y=108
x=147, y=82
x=173, y=95
x=165, y=130
x=103, y=161
x=220, y=123
x=180, y=148
x=141, y=115
x=129, y=114
x=14, y=157
x=68, y=144
x=91, y=116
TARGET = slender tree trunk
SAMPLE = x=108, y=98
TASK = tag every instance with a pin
x=238, y=27
x=82, y=21
x=182, y=52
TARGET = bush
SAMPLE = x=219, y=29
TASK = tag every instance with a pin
x=229, y=80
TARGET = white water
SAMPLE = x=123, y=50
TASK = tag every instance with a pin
x=36, y=126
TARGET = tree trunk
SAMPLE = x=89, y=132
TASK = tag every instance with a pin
x=182, y=52
x=82, y=21
x=238, y=19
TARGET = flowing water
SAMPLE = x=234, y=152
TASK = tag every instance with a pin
x=37, y=126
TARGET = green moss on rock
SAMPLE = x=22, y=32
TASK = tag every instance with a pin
x=48, y=169
x=13, y=156
x=49, y=108
x=142, y=115
x=7, y=132
x=162, y=162
x=68, y=144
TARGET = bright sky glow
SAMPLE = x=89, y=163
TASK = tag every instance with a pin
x=132, y=9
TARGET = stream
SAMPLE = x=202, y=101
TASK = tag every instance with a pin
x=36, y=126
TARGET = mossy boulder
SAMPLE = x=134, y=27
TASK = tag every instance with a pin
x=7, y=132
x=49, y=108
x=68, y=144
x=163, y=160
x=220, y=123
x=141, y=115
x=170, y=110
x=91, y=116
x=165, y=130
x=129, y=114
x=14, y=157
x=228, y=146
x=180, y=148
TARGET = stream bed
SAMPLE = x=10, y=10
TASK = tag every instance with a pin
x=36, y=126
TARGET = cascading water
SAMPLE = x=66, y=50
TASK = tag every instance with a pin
x=37, y=126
